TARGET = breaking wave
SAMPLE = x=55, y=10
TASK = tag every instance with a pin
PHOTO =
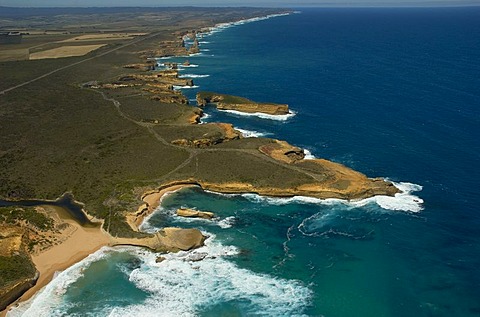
x=222, y=26
x=250, y=133
x=308, y=155
x=187, y=282
x=193, y=76
x=185, y=87
x=183, y=284
x=282, y=117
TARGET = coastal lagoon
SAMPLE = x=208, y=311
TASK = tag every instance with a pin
x=389, y=92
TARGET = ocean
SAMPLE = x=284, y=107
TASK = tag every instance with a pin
x=393, y=93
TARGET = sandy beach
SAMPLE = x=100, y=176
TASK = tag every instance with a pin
x=80, y=242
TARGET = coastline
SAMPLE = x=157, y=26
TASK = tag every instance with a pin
x=84, y=241
x=81, y=242
x=152, y=199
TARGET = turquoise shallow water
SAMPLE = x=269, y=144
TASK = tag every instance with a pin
x=389, y=92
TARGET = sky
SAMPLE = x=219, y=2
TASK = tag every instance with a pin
x=257, y=3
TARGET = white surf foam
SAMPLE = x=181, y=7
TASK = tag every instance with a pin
x=224, y=223
x=184, y=87
x=223, y=26
x=193, y=76
x=203, y=42
x=250, y=133
x=204, y=117
x=308, y=155
x=47, y=300
x=282, y=117
x=403, y=201
x=145, y=225
x=189, y=66
x=180, y=287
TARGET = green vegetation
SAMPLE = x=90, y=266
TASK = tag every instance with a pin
x=12, y=215
x=15, y=268
x=190, y=132
x=57, y=136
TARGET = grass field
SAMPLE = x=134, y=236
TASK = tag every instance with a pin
x=57, y=137
x=66, y=51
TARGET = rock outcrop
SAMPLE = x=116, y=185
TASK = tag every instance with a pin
x=229, y=102
x=159, y=85
x=141, y=66
x=282, y=151
x=194, y=49
x=167, y=240
x=192, y=213
x=168, y=48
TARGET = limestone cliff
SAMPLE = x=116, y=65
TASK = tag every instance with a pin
x=17, y=273
x=192, y=213
x=229, y=102
x=282, y=151
x=194, y=49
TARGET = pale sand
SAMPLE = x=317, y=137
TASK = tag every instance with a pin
x=66, y=51
x=81, y=243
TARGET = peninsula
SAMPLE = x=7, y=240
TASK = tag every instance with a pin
x=235, y=103
x=108, y=127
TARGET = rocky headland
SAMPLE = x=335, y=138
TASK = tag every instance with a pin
x=229, y=102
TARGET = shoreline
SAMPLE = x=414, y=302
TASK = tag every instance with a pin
x=152, y=200
x=80, y=243
x=84, y=241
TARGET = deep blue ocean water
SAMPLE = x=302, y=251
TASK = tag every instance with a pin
x=392, y=93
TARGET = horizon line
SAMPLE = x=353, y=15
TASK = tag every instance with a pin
x=432, y=4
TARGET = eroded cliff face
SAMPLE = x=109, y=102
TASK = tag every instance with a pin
x=228, y=102
x=337, y=185
x=282, y=151
x=17, y=273
x=271, y=109
x=158, y=86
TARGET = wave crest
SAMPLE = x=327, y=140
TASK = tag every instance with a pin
x=282, y=117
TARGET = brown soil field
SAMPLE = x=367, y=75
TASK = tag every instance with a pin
x=66, y=51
